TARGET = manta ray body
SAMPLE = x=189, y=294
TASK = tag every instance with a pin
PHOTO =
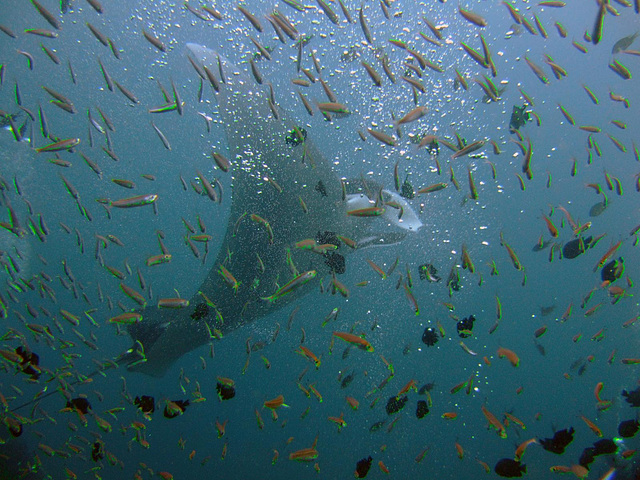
x=257, y=260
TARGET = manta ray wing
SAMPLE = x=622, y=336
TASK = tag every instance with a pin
x=258, y=151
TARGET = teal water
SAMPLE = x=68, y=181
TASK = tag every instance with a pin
x=556, y=375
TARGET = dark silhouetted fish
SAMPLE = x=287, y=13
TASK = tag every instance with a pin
x=560, y=440
x=624, y=43
x=597, y=209
x=628, y=428
x=575, y=247
x=509, y=468
x=632, y=397
x=545, y=311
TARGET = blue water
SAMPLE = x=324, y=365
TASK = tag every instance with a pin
x=549, y=400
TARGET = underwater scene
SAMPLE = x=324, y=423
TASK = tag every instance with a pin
x=282, y=239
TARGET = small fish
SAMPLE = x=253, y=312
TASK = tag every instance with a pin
x=354, y=340
x=472, y=17
x=66, y=144
x=291, y=286
x=510, y=355
x=153, y=40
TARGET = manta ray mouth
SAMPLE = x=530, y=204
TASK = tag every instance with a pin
x=398, y=212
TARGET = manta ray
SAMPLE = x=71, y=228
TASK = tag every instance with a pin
x=255, y=257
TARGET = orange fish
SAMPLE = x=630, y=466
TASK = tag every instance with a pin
x=275, y=403
x=510, y=355
x=628, y=453
x=409, y=386
x=366, y=212
x=522, y=447
x=494, y=422
x=229, y=279
x=460, y=451
x=597, y=391
x=339, y=421
x=221, y=427
x=354, y=340
x=309, y=354
x=377, y=269
x=466, y=260
x=315, y=392
x=594, y=428
x=353, y=402
x=515, y=420
x=304, y=455
x=486, y=467
x=550, y=226
x=606, y=256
